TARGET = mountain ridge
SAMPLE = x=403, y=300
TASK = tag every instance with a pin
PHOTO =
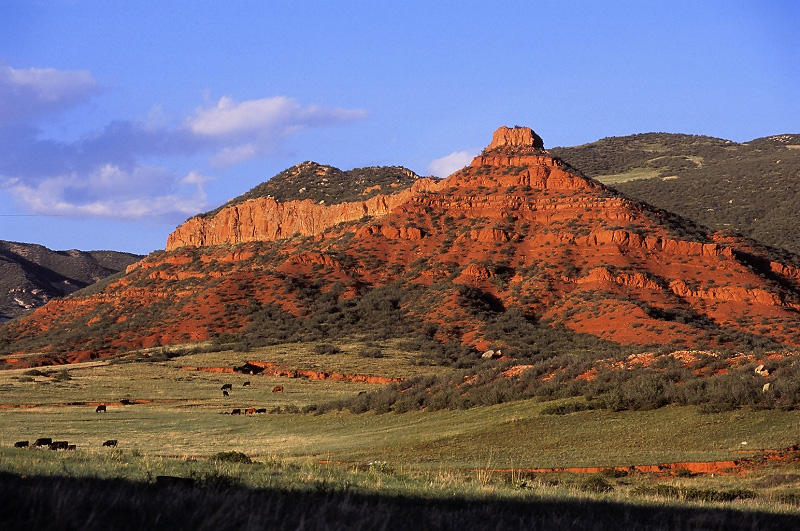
x=503, y=253
x=750, y=187
x=31, y=274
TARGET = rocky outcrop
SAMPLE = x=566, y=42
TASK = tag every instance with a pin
x=515, y=229
x=265, y=219
x=515, y=137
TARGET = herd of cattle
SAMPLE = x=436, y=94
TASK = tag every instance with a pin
x=48, y=442
x=227, y=389
x=64, y=445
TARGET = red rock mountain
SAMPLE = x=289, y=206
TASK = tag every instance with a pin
x=515, y=230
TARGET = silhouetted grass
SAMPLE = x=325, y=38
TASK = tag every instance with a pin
x=62, y=503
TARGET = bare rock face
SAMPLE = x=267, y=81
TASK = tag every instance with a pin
x=265, y=219
x=520, y=137
x=514, y=229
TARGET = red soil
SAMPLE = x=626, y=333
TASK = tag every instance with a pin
x=572, y=251
x=727, y=467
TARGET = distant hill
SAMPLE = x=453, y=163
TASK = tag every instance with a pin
x=752, y=188
x=31, y=275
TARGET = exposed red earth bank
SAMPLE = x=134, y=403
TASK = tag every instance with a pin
x=759, y=459
x=517, y=226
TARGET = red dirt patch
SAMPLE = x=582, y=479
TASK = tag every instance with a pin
x=724, y=467
x=516, y=370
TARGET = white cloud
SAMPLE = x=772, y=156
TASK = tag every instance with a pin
x=451, y=163
x=146, y=193
x=195, y=178
x=109, y=173
x=229, y=118
x=33, y=92
x=252, y=128
x=274, y=115
x=230, y=156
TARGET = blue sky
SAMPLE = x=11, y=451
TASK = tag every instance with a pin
x=119, y=120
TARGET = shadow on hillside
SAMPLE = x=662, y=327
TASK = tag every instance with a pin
x=53, y=503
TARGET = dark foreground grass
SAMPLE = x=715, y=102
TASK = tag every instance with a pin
x=66, y=503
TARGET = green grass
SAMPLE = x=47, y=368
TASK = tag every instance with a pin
x=396, y=362
x=190, y=416
x=632, y=175
x=120, y=489
x=388, y=462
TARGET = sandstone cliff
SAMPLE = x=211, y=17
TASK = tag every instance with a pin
x=265, y=219
x=515, y=230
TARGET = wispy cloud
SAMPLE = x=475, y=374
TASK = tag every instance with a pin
x=107, y=174
x=113, y=193
x=33, y=92
x=250, y=129
x=453, y=162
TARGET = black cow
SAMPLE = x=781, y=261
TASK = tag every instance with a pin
x=236, y=411
x=43, y=441
x=229, y=387
x=101, y=407
x=72, y=447
x=110, y=442
x=59, y=445
x=261, y=410
x=225, y=393
x=245, y=384
x=21, y=444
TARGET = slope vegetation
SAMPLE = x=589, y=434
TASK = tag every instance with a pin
x=751, y=188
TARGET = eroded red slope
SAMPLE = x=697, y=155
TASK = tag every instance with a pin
x=515, y=229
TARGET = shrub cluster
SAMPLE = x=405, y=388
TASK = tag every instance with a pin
x=640, y=388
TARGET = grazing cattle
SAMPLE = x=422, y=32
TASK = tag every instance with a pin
x=362, y=393
x=59, y=445
x=229, y=387
x=21, y=444
x=261, y=410
x=110, y=442
x=100, y=408
x=250, y=411
x=125, y=401
x=225, y=393
x=236, y=411
x=245, y=384
x=43, y=441
x=277, y=389
x=72, y=447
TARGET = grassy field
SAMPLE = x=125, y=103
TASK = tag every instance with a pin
x=633, y=175
x=179, y=420
x=191, y=416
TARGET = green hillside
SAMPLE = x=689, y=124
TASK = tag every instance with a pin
x=752, y=188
